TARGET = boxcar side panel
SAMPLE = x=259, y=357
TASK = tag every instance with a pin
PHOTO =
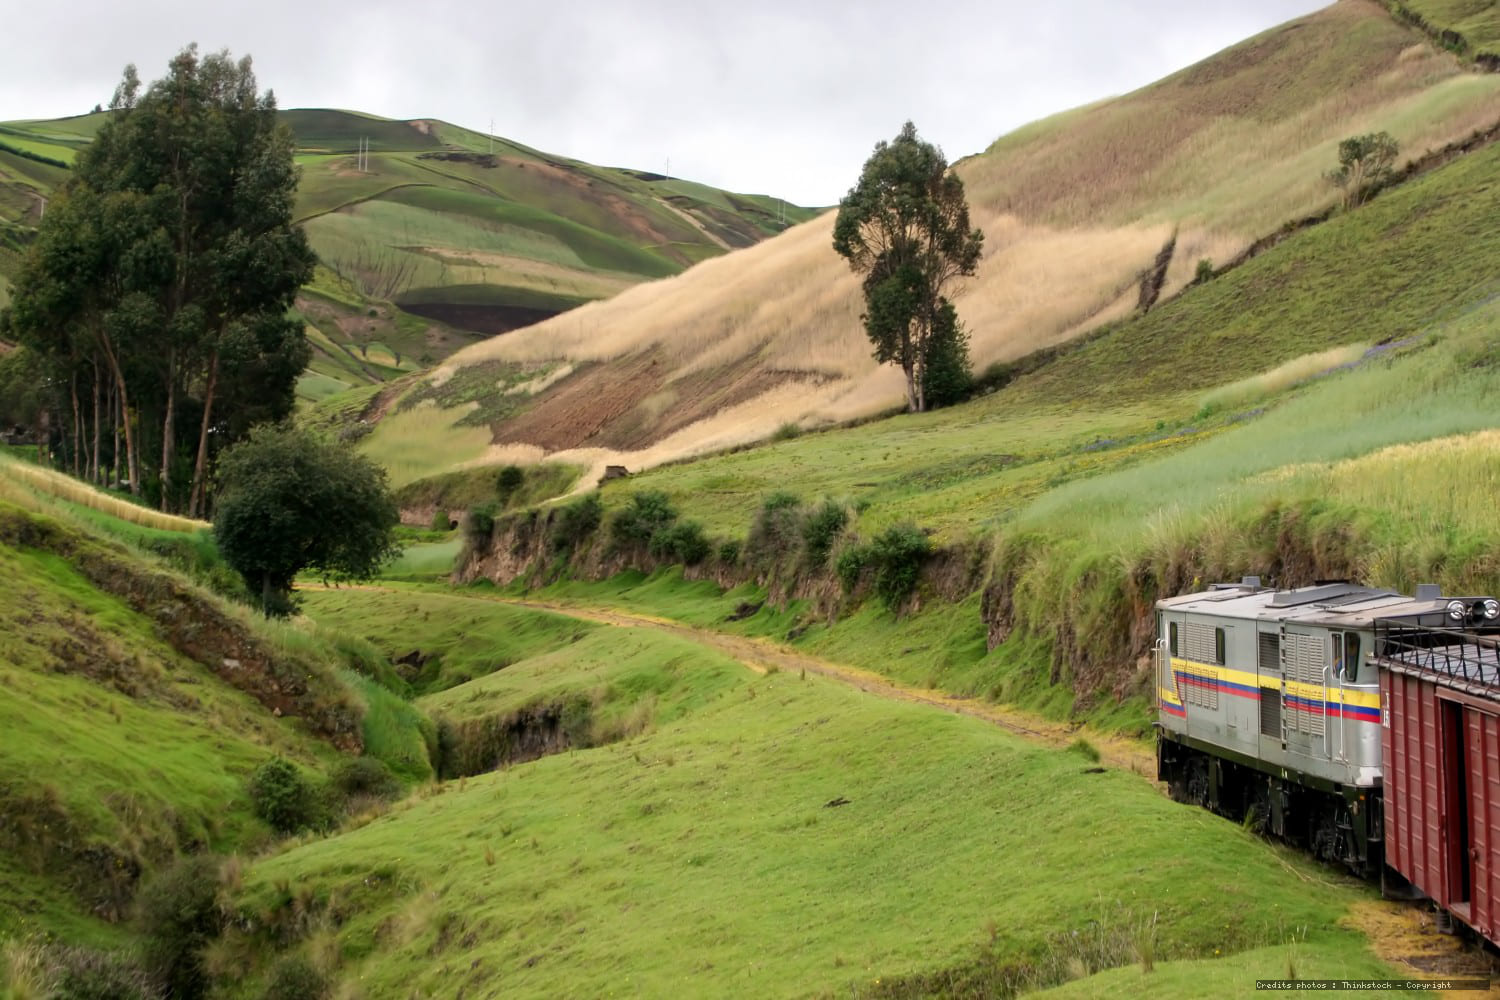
x=1483, y=754
x=1414, y=790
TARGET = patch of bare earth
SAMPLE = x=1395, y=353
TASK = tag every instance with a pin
x=634, y=403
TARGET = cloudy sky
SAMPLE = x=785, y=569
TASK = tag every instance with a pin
x=778, y=96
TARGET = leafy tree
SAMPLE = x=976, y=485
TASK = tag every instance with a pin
x=165, y=268
x=1365, y=163
x=289, y=500
x=947, y=376
x=509, y=480
x=905, y=227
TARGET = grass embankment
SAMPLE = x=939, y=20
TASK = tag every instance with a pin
x=120, y=750
x=779, y=835
x=139, y=705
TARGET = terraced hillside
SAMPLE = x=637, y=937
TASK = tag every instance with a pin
x=1075, y=208
x=439, y=235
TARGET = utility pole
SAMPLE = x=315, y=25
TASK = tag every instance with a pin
x=492, y=137
x=669, y=168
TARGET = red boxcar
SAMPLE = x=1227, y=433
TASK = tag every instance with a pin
x=1440, y=700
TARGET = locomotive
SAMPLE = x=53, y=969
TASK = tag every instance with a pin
x=1361, y=724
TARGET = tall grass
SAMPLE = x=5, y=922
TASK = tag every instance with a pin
x=57, y=484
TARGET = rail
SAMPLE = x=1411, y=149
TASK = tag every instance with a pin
x=1470, y=654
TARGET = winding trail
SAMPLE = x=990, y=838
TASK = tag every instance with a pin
x=764, y=656
x=1401, y=934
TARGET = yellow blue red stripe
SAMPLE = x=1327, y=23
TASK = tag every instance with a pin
x=1355, y=704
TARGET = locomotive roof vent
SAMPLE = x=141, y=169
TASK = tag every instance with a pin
x=1428, y=592
x=1251, y=582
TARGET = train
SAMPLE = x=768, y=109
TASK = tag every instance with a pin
x=1361, y=724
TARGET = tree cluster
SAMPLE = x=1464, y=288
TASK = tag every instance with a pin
x=905, y=227
x=154, y=301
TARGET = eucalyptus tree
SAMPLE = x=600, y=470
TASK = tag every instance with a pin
x=172, y=255
x=905, y=227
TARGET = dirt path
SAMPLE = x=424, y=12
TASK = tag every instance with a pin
x=763, y=656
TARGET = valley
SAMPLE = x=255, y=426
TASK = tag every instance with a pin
x=703, y=669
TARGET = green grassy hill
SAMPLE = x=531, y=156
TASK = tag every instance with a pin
x=138, y=704
x=443, y=236
x=707, y=829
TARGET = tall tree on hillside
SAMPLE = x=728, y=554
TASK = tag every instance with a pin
x=905, y=227
x=1365, y=162
x=173, y=261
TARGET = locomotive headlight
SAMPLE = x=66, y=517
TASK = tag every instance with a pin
x=1491, y=608
x=1457, y=610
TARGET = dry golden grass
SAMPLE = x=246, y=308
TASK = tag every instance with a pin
x=1074, y=208
x=65, y=487
x=1267, y=384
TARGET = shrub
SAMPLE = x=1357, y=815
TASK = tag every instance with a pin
x=787, y=431
x=1205, y=271
x=684, y=542
x=776, y=530
x=575, y=522
x=293, y=977
x=479, y=522
x=441, y=521
x=729, y=552
x=509, y=480
x=850, y=566
x=366, y=776
x=646, y=514
x=282, y=796
x=179, y=915
x=86, y=974
x=820, y=530
x=898, y=554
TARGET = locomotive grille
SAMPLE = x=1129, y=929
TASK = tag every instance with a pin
x=1305, y=660
x=1270, y=713
x=1201, y=643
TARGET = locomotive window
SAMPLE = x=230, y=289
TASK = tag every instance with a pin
x=1338, y=655
x=1172, y=637
x=1351, y=656
x=1219, y=646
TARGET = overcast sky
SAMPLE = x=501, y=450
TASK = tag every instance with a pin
x=784, y=97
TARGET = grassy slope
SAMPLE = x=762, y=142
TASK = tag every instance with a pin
x=1385, y=272
x=1477, y=21
x=701, y=854
x=1073, y=207
x=112, y=739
